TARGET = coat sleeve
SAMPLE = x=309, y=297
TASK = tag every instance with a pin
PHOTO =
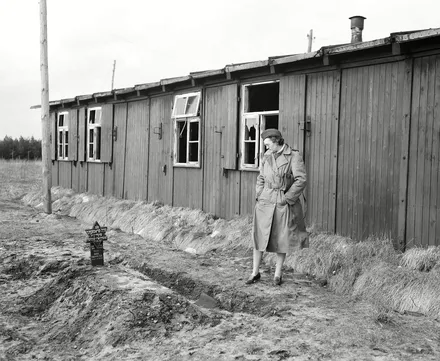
x=299, y=179
x=260, y=183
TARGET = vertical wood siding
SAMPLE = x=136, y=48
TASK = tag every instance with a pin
x=370, y=150
x=73, y=134
x=136, y=161
x=320, y=156
x=83, y=177
x=75, y=176
x=65, y=174
x=292, y=102
x=82, y=134
x=221, y=188
x=423, y=212
x=118, y=164
x=188, y=183
x=106, y=133
x=109, y=178
x=247, y=192
x=160, y=175
x=95, y=178
x=55, y=174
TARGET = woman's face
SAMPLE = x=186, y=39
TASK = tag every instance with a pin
x=270, y=145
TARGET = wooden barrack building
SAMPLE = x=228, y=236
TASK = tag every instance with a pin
x=365, y=115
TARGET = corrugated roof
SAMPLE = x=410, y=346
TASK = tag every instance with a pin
x=399, y=37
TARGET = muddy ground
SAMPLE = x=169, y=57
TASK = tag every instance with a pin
x=152, y=302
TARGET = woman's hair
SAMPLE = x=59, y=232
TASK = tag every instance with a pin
x=278, y=140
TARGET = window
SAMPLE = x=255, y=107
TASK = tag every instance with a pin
x=94, y=134
x=186, y=129
x=260, y=110
x=63, y=135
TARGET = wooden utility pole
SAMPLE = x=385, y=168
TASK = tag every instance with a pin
x=310, y=36
x=113, y=75
x=45, y=143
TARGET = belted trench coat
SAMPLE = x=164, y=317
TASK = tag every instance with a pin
x=278, y=223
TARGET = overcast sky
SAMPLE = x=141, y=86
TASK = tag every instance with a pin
x=153, y=40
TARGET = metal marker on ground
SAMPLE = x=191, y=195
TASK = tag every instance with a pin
x=96, y=237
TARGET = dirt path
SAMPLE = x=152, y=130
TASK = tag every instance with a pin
x=151, y=302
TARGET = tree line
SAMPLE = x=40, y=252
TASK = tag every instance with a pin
x=21, y=148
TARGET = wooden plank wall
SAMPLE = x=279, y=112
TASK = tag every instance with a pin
x=248, y=183
x=221, y=187
x=292, y=109
x=65, y=174
x=320, y=156
x=423, y=206
x=95, y=179
x=136, y=161
x=118, y=165
x=160, y=175
x=370, y=150
x=188, y=183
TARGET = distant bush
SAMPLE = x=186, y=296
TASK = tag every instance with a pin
x=21, y=148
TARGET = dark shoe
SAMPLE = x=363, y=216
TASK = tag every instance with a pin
x=253, y=279
x=277, y=280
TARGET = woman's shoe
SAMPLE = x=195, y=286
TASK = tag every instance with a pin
x=277, y=280
x=253, y=279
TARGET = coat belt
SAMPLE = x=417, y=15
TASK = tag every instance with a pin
x=271, y=186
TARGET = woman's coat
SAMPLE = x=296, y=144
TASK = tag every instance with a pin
x=278, y=224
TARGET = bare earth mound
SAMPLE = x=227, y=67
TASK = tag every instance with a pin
x=153, y=301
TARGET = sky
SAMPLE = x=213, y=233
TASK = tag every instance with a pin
x=153, y=40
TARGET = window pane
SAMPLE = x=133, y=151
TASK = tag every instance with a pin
x=91, y=150
x=60, y=137
x=66, y=152
x=194, y=131
x=191, y=106
x=179, y=106
x=92, y=116
x=98, y=143
x=60, y=151
x=250, y=128
x=249, y=153
x=193, y=152
x=61, y=120
x=66, y=136
x=271, y=121
x=181, y=142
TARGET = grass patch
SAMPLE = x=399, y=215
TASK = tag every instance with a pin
x=18, y=177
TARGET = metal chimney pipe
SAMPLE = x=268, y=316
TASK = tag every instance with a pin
x=357, y=25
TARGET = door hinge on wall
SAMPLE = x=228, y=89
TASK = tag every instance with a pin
x=115, y=133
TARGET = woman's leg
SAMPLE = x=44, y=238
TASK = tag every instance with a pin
x=280, y=261
x=257, y=261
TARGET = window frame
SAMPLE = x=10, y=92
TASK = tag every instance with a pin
x=187, y=119
x=96, y=127
x=261, y=126
x=63, y=143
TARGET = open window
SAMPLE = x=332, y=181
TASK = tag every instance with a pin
x=186, y=129
x=94, y=122
x=260, y=111
x=63, y=135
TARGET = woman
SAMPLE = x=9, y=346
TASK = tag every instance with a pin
x=278, y=224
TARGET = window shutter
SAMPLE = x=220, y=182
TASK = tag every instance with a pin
x=106, y=133
x=81, y=134
x=229, y=139
x=53, y=135
x=73, y=134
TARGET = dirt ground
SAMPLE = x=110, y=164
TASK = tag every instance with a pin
x=152, y=302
